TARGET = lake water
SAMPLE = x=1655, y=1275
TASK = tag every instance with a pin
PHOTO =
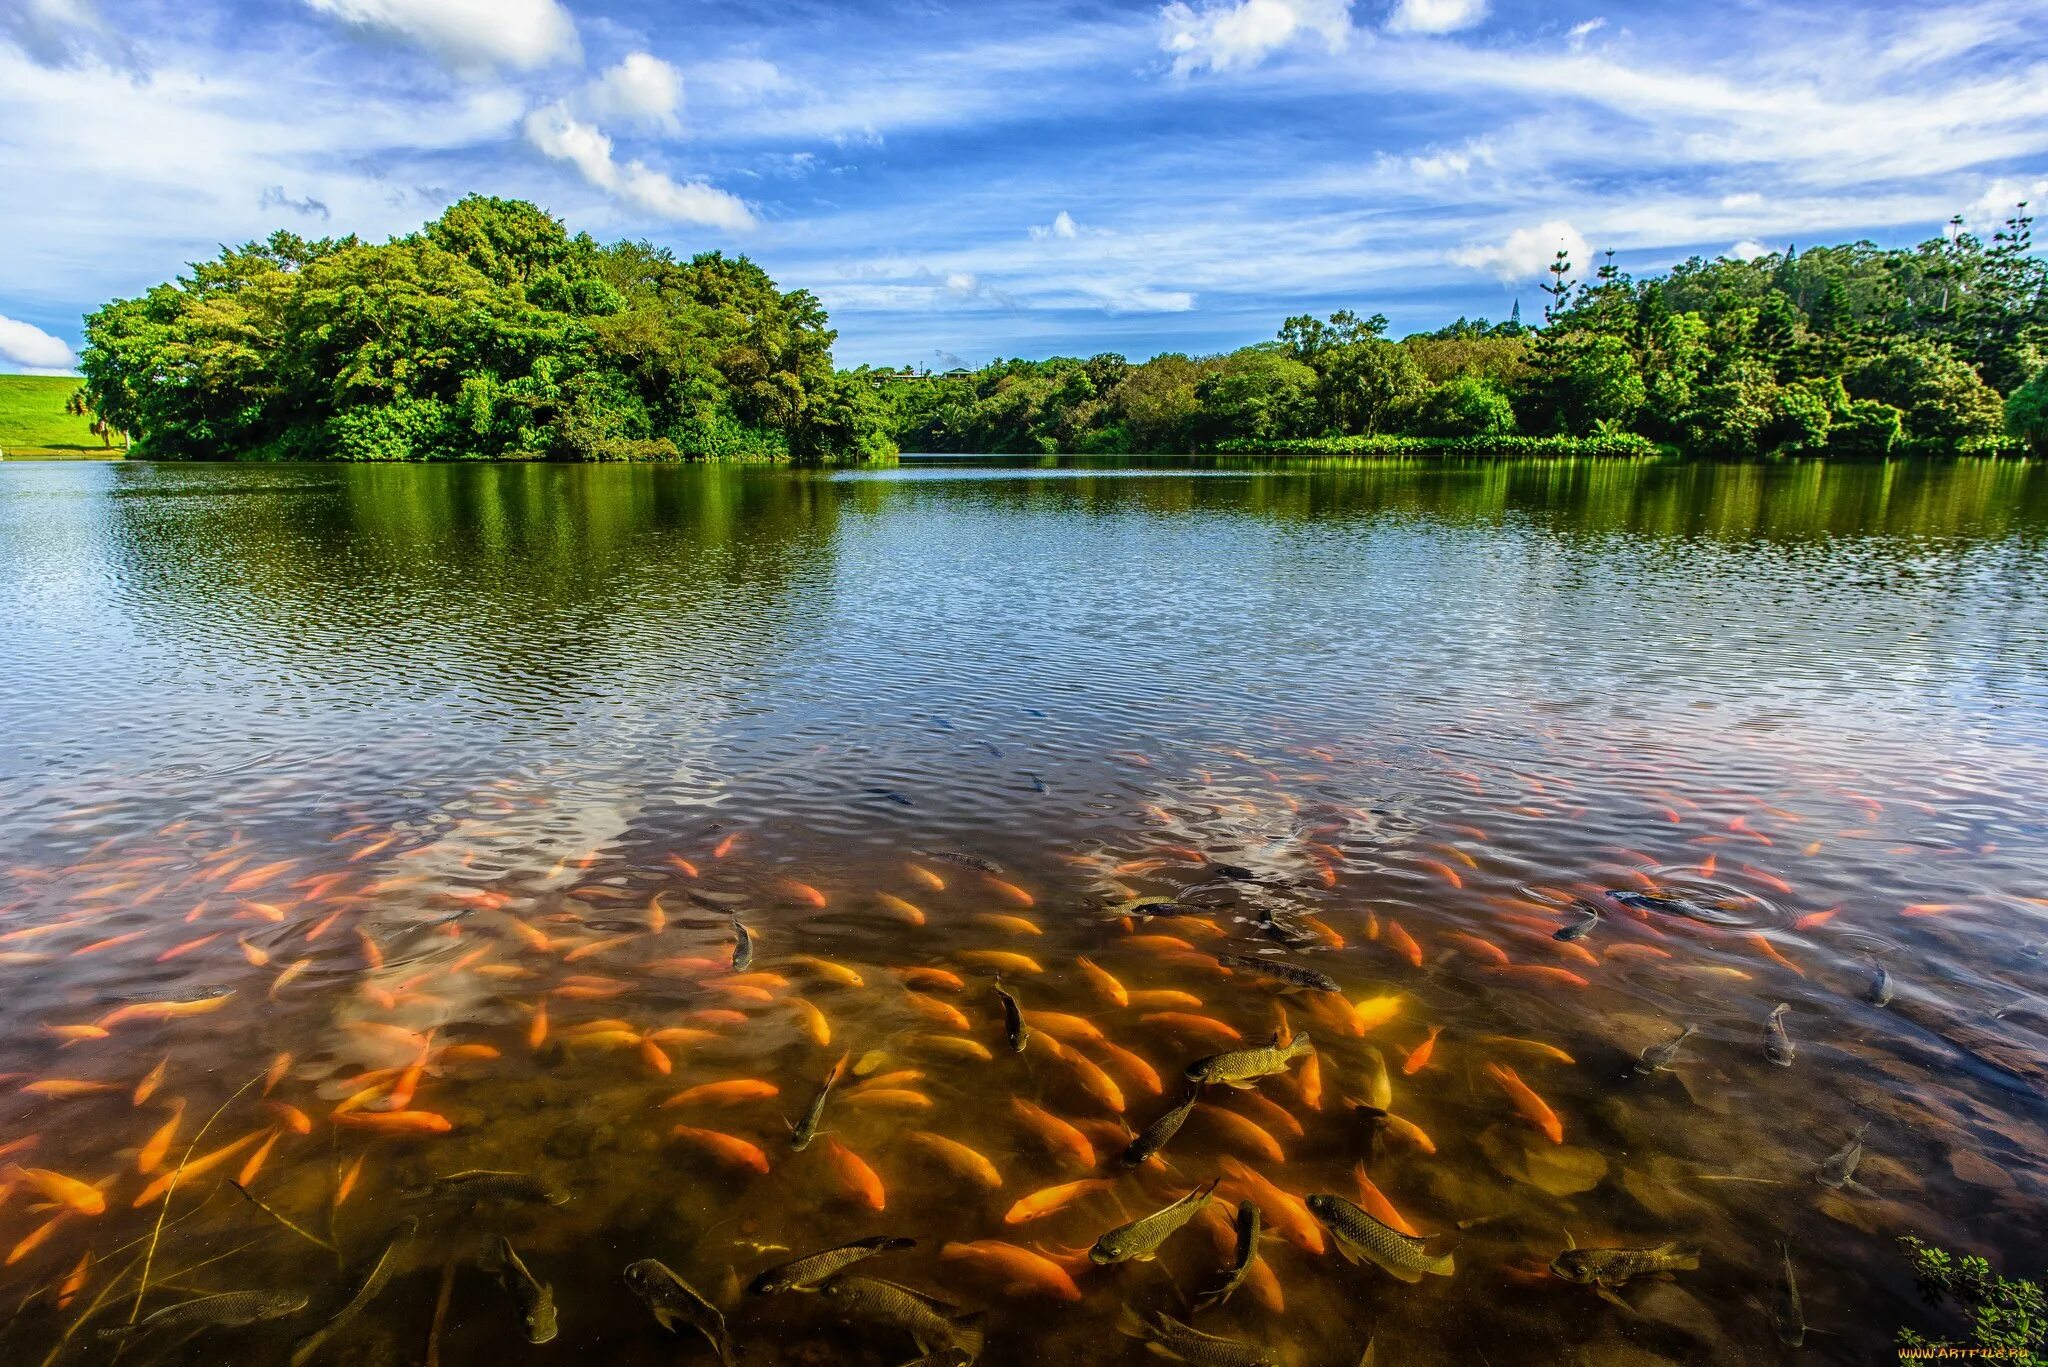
x=450, y=783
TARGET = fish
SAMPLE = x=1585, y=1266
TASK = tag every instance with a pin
x=68, y=1192
x=1243, y=1067
x=1048, y=1200
x=855, y=1175
x=394, y=1122
x=1154, y=1137
x=969, y=1163
x=1139, y=1240
x=933, y=1324
x=1683, y=907
x=1104, y=982
x=1582, y=928
x=1055, y=1133
x=1379, y=1086
x=1014, y=1028
x=1296, y=978
x=1418, y=1057
x=1791, y=1315
x=728, y=1148
x=1291, y=1216
x=804, y=1131
x=228, y=1309
x=1003, y=960
x=1022, y=1271
x=1358, y=1235
x=1164, y=1336
x=533, y=1298
x=488, y=1184
x=674, y=1301
x=730, y=1091
x=1840, y=1168
x=742, y=946
x=380, y=1273
x=1777, y=1043
x=1879, y=990
x=1658, y=1057
x=1243, y=1133
x=1533, y=1107
x=1246, y=1225
x=1088, y=1074
x=813, y=1269
x=1607, y=1268
x=963, y=860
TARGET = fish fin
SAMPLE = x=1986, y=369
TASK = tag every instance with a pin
x=1343, y=1247
x=1569, y=1241
x=970, y=1332
x=1128, y=1321
x=1853, y=1185
x=1606, y=1295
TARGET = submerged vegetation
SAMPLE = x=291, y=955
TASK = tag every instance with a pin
x=1851, y=350
x=2008, y=1317
x=490, y=333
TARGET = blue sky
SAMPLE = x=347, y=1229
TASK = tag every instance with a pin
x=1015, y=177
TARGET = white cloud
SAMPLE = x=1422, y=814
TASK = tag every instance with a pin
x=1576, y=39
x=1437, y=16
x=58, y=32
x=470, y=35
x=1749, y=249
x=643, y=89
x=963, y=283
x=1062, y=226
x=1998, y=203
x=558, y=134
x=25, y=347
x=1450, y=163
x=1527, y=252
x=1139, y=299
x=741, y=79
x=1226, y=34
x=1747, y=199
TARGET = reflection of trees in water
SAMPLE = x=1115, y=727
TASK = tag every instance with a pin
x=497, y=578
x=1789, y=500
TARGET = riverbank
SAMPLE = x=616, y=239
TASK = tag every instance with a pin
x=34, y=425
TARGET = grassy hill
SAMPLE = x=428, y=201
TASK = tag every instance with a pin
x=33, y=423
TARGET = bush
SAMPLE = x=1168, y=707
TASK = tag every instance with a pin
x=406, y=429
x=1621, y=445
x=2026, y=413
x=1868, y=428
x=1467, y=407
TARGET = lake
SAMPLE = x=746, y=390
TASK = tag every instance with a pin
x=364, y=827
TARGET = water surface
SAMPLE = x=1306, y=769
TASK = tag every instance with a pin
x=456, y=777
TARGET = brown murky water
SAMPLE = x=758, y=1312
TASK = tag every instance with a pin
x=362, y=827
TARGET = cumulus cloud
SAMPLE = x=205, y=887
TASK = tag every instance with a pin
x=1745, y=199
x=2000, y=200
x=1446, y=163
x=1062, y=227
x=1439, y=16
x=560, y=135
x=1227, y=34
x=1749, y=249
x=642, y=89
x=25, y=347
x=1527, y=252
x=515, y=35
x=1576, y=39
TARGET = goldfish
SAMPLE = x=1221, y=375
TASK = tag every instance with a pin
x=1402, y=941
x=855, y=1176
x=1418, y=1057
x=164, y=1011
x=958, y=1157
x=395, y=1122
x=68, y=1192
x=1549, y=1051
x=1375, y=1204
x=1105, y=983
x=1373, y=1012
x=1532, y=1107
x=814, y=1022
x=254, y=1167
x=1050, y=1200
x=902, y=910
x=804, y=892
x=150, y=1156
x=1020, y=1271
x=939, y=1012
x=1003, y=960
x=725, y=1147
x=1009, y=925
x=830, y=970
x=1134, y=1067
x=193, y=1168
x=1055, y=1133
x=1183, y=1023
x=730, y=1092
x=1243, y=1133
x=926, y=979
x=1477, y=947
x=1091, y=1078
x=1290, y=1215
x=66, y=1087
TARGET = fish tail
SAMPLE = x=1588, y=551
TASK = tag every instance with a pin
x=970, y=1332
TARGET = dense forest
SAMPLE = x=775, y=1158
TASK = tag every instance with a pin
x=1848, y=349
x=490, y=333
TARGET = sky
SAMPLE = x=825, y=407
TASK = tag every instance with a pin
x=962, y=181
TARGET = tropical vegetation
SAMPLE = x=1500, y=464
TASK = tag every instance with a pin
x=490, y=333
x=1850, y=349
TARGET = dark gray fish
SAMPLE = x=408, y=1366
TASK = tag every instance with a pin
x=1777, y=1043
x=804, y=1131
x=169, y=994
x=380, y=1274
x=1159, y=1131
x=935, y=1325
x=1584, y=927
x=891, y=795
x=1248, y=1223
x=1167, y=1337
x=1303, y=979
x=1359, y=1235
x=485, y=1184
x=963, y=859
x=1658, y=1057
x=1162, y=909
x=1236, y=873
x=992, y=748
x=533, y=1298
x=1014, y=1028
x=1612, y=1267
x=1139, y=1240
x=1879, y=992
x=742, y=947
x=1243, y=1067
x=1037, y=783
x=608, y=926
x=229, y=1309
x=1840, y=1168
x=808, y=1272
x=674, y=1301
x=1674, y=906
x=1791, y=1316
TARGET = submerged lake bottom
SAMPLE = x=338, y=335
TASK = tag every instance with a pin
x=1578, y=912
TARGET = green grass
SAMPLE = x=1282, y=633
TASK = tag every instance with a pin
x=34, y=425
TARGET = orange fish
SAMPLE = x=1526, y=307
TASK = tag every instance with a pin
x=720, y=851
x=179, y=950
x=943, y=1013
x=1093, y=1080
x=293, y=1119
x=396, y=1122
x=1478, y=948
x=150, y=1156
x=146, y=1088
x=1011, y=891
x=67, y=1192
x=804, y=892
x=683, y=866
x=162, y=1011
x=1930, y=908
x=537, y=1029
x=1020, y=1271
x=1135, y=1068
x=727, y=1093
x=1308, y=1080
x=904, y=911
x=1533, y=1108
x=349, y=1179
x=1399, y=937
x=1055, y=1133
x=1418, y=1057
x=1442, y=870
x=930, y=979
x=1762, y=944
x=924, y=877
x=254, y=1166
x=1289, y=1213
x=1814, y=919
x=1374, y=1203
x=36, y=1238
x=1543, y=973
x=1048, y=1200
x=1202, y=1027
x=855, y=1176
x=194, y=1168
x=66, y=1087
x=1161, y=999
x=1244, y=1133
x=888, y=1098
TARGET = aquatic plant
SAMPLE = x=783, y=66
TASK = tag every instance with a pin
x=2004, y=1313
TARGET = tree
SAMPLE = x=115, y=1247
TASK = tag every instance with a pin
x=1468, y=406
x=2026, y=413
x=1940, y=393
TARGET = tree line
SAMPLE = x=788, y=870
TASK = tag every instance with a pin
x=1848, y=349
x=490, y=333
